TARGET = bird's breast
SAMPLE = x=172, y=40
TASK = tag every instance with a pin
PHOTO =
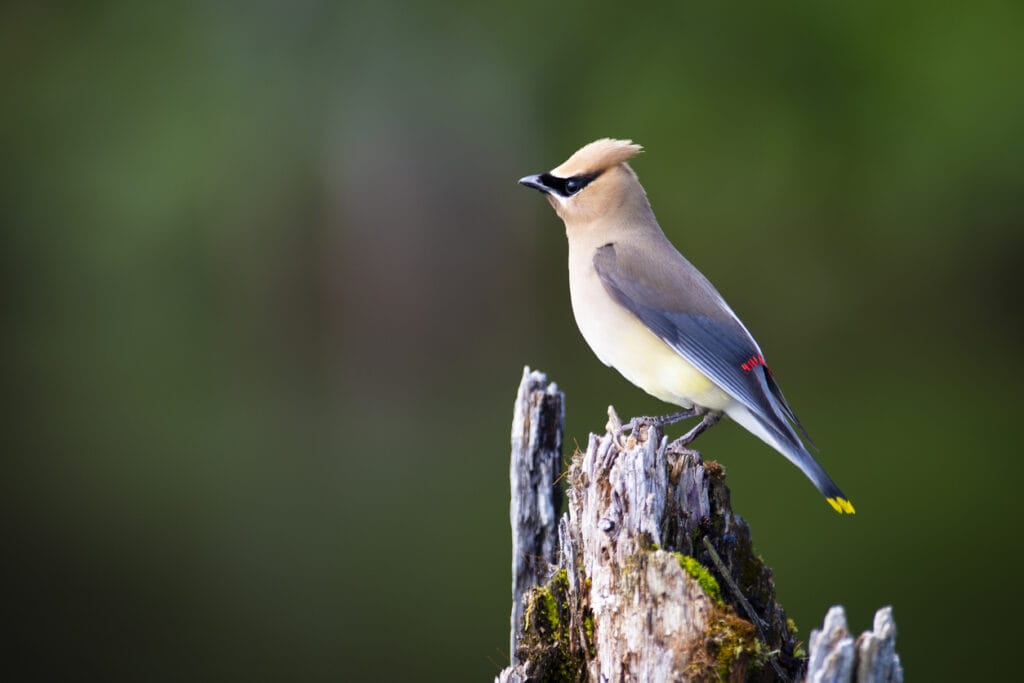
x=621, y=340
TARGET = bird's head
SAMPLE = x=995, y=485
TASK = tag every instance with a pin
x=593, y=182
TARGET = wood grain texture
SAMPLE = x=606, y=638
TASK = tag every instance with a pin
x=649, y=575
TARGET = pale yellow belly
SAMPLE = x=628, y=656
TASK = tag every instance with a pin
x=620, y=340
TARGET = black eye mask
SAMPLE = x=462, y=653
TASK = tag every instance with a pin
x=567, y=187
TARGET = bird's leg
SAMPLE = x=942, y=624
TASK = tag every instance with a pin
x=672, y=418
x=616, y=428
x=710, y=420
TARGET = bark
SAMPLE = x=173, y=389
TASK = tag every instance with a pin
x=653, y=576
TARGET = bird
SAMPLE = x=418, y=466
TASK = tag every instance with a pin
x=646, y=311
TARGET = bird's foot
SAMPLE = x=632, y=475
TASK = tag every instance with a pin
x=660, y=421
x=616, y=428
x=710, y=420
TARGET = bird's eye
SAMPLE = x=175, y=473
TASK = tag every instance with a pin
x=569, y=186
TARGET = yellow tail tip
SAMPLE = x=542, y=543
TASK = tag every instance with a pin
x=841, y=505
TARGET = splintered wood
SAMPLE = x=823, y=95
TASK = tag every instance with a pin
x=649, y=575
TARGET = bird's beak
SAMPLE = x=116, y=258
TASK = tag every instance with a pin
x=536, y=183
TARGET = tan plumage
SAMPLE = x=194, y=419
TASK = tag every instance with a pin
x=603, y=153
x=649, y=313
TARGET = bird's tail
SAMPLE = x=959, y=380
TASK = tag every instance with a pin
x=790, y=445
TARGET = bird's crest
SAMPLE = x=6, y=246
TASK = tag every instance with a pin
x=598, y=156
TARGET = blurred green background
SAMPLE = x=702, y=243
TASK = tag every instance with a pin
x=269, y=285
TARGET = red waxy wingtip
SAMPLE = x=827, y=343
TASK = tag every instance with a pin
x=753, y=362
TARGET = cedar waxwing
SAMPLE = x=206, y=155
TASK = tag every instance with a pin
x=650, y=314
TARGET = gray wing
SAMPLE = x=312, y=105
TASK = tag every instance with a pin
x=676, y=302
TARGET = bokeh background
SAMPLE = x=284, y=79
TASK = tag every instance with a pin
x=269, y=285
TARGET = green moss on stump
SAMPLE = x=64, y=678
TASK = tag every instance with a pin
x=734, y=644
x=702, y=576
x=731, y=652
x=547, y=641
x=549, y=603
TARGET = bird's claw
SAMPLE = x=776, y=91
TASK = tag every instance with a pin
x=615, y=428
x=614, y=425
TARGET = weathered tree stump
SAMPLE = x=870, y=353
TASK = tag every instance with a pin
x=653, y=576
x=537, y=425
